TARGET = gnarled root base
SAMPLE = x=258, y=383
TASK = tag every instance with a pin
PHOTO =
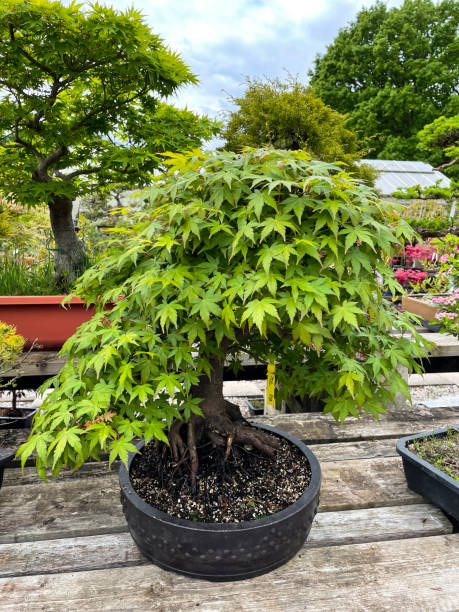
x=223, y=430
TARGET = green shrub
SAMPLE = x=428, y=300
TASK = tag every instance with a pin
x=11, y=344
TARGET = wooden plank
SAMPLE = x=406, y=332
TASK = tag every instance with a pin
x=368, y=483
x=119, y=550
x=419, y=574
x=87, y=506
x=446, y=344
x=15, y=476
x=339, y=451
x=346, y=451
x=36, y=363
x=322, y=428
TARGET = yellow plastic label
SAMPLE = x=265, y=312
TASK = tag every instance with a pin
x=271, y=384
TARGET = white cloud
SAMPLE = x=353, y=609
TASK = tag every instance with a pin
x=225, y=40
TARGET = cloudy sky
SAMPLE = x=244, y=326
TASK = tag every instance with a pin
x=223, y=41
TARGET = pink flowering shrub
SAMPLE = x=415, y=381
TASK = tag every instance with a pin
x=449, y=313
x=410, y=277
x=424, y=252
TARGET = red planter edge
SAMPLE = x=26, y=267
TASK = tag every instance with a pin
x=43, y=320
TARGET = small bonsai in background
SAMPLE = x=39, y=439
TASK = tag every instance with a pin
x=267, y=252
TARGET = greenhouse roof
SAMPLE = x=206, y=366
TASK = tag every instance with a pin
x=394, y=175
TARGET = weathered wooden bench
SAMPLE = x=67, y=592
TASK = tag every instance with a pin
x=375, y=545
x=41, y=364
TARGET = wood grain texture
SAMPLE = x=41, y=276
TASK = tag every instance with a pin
x=90, y=505
x=319, y=429
x=119, y=550
x=322, y=428
x=419, y=575
x=36, y=363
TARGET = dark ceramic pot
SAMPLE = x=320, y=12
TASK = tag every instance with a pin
x=222, y=551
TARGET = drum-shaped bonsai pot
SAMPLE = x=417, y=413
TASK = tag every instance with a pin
x=222, y=551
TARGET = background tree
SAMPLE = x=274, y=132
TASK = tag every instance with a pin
x=80, y=108
x=392, y=71
x=443, y=135
x=290, y=116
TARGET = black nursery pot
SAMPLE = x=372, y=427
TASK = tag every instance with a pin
x=222, y=551
x=425, y=479
x=18, y=422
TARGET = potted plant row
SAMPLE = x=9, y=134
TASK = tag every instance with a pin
x=267, y=252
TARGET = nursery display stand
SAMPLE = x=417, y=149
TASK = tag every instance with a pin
x=65, y=545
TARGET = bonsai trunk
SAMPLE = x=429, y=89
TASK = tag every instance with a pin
x=69, y=256
x=223, y=426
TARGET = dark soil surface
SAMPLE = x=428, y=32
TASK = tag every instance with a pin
x=441, y=451
x=248, y=486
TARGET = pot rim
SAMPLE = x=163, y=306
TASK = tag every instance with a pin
x=13, y=300
x=297, y=506
x=405, y=453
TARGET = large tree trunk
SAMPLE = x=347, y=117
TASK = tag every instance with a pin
x=223, y=425
x=69, y=256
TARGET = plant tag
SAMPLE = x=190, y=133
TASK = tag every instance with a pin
x=270, y=385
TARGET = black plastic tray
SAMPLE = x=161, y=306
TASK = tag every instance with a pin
x=425, y=479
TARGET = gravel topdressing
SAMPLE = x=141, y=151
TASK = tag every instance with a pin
x=249, y=486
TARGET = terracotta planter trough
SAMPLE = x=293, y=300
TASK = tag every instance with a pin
x=43, y=319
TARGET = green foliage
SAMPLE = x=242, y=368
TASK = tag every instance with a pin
x=20, y=274
x=80, y=100
x=290, y=116
x=428, y=193
x=437, y=224
x=267, y=252
x=443, y=134
x=11, y=344
x=392, y=71
x=22, y=228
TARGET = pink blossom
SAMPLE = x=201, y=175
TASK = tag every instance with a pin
x=445, y=315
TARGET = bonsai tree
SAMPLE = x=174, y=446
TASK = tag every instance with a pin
x=267, y=252
x=82, y=92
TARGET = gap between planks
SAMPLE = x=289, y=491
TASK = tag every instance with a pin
x=420, y=574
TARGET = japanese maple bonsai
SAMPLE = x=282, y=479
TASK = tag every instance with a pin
x=267, y=252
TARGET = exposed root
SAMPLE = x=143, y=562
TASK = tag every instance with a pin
x=175, y=441
x=229, y=443
x=193, y=455
x=223, y=433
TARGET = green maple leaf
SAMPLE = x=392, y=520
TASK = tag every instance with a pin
x=345, y=312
